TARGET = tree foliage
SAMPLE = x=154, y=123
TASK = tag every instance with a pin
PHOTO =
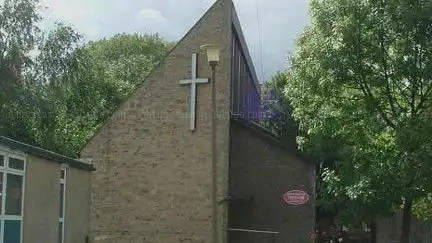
x=278, y=111
x=361, y=78
x=18, y=36
x=55, y=88
x=96, y=78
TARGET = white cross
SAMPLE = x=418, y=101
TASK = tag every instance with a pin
x=193, y=84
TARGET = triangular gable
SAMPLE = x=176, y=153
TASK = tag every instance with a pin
x=190, y=42
x=147, y=146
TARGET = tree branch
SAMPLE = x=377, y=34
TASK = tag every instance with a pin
x=365, y=87
x=402, y=92
x=383, y=55
x=382, y=112
x=414, y=82
x=424, y=95
x=421, y=71
x=424, y=98
x=388, y=92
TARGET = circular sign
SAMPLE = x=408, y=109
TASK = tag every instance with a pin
x=295, y=197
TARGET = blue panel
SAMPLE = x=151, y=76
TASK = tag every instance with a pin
x=60, y=232
x=12, y=231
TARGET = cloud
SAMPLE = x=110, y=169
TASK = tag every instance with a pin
x=150, y=20
x=84, y=15
x=149, y=13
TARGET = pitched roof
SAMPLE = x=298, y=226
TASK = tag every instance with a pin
x=42, y=153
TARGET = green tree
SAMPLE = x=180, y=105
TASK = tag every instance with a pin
x=278, y=110
x=361, y=77
x=55, y=74
x=18, y=37
x=126, y=59
x=56, y=90
x=82, y=85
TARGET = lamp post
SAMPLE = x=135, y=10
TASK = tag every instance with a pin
x=213, y=53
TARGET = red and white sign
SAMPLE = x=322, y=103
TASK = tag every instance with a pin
x=295, y=197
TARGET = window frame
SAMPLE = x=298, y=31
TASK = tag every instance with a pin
x=5, y=170
x=62, y=219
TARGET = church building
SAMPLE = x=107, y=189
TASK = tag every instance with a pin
x=175, y=165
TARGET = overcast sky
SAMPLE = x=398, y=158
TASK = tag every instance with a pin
x=280, y=22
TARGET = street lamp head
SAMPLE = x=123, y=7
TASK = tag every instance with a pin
x=213, y=52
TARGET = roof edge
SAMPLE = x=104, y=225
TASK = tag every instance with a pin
x=46, y=154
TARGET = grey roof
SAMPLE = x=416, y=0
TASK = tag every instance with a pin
x=42, y=153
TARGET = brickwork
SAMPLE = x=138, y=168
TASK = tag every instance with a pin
x=153, y=175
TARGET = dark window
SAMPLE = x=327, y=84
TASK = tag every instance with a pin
x=61, y=200
x=16, y=164
x=14, y=185
x=245, y=100
x=235, y=80
x=1, y=193
x=241, y=88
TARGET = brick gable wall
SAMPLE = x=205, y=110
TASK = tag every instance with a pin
x=153, y=175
